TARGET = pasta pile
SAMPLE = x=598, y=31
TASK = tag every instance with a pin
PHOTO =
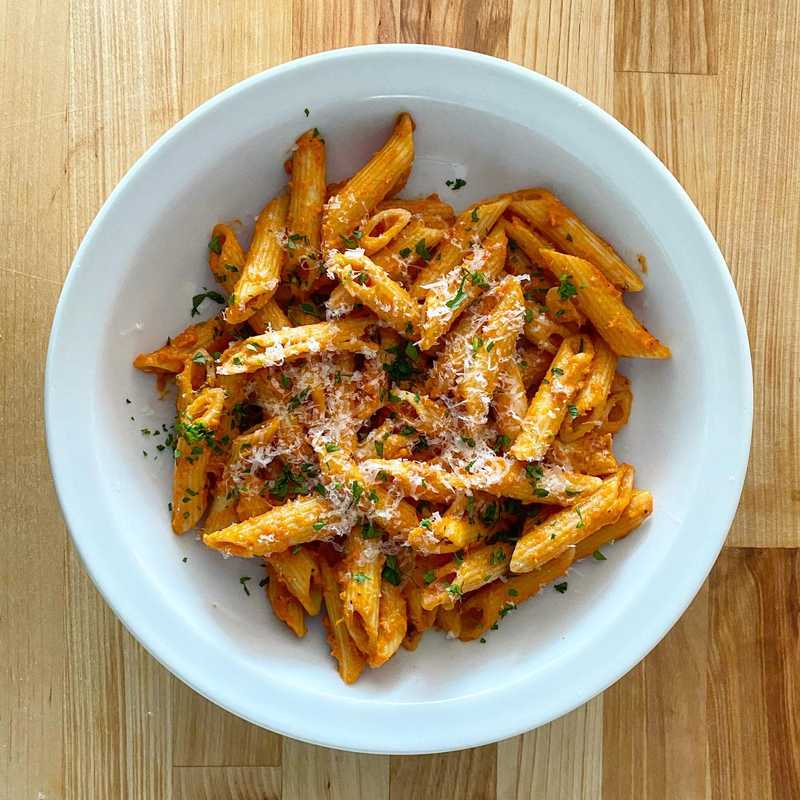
x=406, y=413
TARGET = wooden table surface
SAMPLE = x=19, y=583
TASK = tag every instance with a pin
x=712, y=87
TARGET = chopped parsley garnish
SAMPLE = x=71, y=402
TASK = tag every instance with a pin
x=263, y=582
x=360, y=577
x=478, y=279
x=489, y=514
x=580, y=517
x=306, y=111
x=330, y=447
x=455, y=184
x=311, y=310
x=391, y=571
x=429, y=577
x=294, y=240
x=352, y=240
x=402, y=368
x=598, y=556
x=458, y=298
x=199, y=358
x=566, y=288
x=243, y=580
x=369, y=531
x=405, y=252
x=561, y=587
x=412, y=351
x=356, y=490
x=426, y=523
x=528, y=315
x=468, y=441
x=454, y=589
x=512, y=592
x=557, y=371
x=498, y=556
x=285, y=381
x=378, y=443
x=421, y=249
x=407, y=430
x=215, y=245
x=318, y=526
x=316, y=134
x=476, y=344
x=573, y=411
x=206, y=294
x=474, y=215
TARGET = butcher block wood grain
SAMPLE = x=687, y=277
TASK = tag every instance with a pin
x=711, y=86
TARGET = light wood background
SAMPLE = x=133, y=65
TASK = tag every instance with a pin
x=712, y=87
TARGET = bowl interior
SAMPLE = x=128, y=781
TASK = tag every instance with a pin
x=135, y=278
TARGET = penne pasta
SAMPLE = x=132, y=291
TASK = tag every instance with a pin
x=349, y=660
x=551, y=218
x=552, y=400
x=359, y=196
x=602, y=304
x=288, y=344
x=304, y=213
x=371, y=286
x=261, y=273
x=492, y=347
x=542, y=541
x=408, y=414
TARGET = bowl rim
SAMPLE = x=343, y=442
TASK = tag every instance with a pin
x=459, y=737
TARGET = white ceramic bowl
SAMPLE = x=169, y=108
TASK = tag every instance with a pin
x=499, y=126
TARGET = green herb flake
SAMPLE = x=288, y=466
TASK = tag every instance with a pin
x=561, y=587
x=455, y=184
x=215, y=245
x=598, y=556
x=421, y=249
x=391, y=571
x=566, y=288
x=206, y=294
x=243, y=581
x=429, y=577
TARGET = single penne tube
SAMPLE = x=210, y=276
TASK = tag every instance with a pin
x=448, y=297
x=172, y=357
x=635, y=513
x=371, y=286
x=349, y=660
x=382, y=227
x=351, y=488
x=414, y=244
x=285, y=605
x=359, y=196
x=295, y=522
x=542, y=541
x=527, y=240
x=304, y=215
x=431, y=208
x=591, y=454
x=289, y=344
x=597, y=298
x=449, y=365
x=418, y=619
x=298, y=569
x=599, y=378
x=470, y=226
x=421, y=480
x=235, y=388
x=491, y=348
x=552, y=399
x=263, y=264
x=546, y=484
x=360, y=581
x=466, y=574
x=392, y=624
x=195, y=431
x=550, y=217
x=225, y=256
x=510, y=401
x=269, y=317
x=484, y=609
